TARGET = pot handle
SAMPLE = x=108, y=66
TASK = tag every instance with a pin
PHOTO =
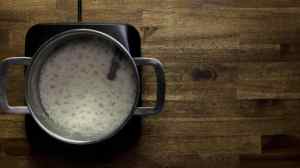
x=160, y=92
x=3, y=71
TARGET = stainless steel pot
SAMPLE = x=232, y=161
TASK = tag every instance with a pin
x=32, y=75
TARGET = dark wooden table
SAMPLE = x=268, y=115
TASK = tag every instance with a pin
x=233, y=85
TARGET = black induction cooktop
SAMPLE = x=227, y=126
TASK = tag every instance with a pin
x=126, y=35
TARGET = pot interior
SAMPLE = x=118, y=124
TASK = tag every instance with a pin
x=82, y=86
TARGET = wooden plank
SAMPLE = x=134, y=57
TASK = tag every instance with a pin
x=21, y=5
x=255, y=26
x=134, y=160
x=290, y=50
x=190, y=92
x=277, y=151
x=190, y=38
x=29, y=16
x=127, y=5
x=1, y=151
x=204, y=56
x=217, y=126
x=259, y=53
x=4, y=36
x=269, y=80
x=193, y=4
x=113, y=16
x=281, y=144
x=268, y=89
x=238, y=144
x=16, y=85
x=281, y=71
x=16, y=147
x=260, y=19
x=146, y=4
x=151, y=146
x=189, y=72
x=12, y=126
x=270, y=38
x=252, y=3
x=216, y=107
x=22, y=12
x=219, y=20
x=258, y=161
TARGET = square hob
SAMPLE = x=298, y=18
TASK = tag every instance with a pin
x=40, y=33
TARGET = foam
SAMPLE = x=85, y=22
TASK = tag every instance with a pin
x=76, y=93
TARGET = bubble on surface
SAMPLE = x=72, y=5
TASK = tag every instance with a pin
x=77, y=95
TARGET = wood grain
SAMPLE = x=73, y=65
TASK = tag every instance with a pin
x=233, y=84
x=231, y=67
x=278, y=151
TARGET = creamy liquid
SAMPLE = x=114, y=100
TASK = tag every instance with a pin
x=76, y=93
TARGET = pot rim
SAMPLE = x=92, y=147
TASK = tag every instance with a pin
x=61, y=36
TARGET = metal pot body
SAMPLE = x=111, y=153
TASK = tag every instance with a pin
x=33, y=69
